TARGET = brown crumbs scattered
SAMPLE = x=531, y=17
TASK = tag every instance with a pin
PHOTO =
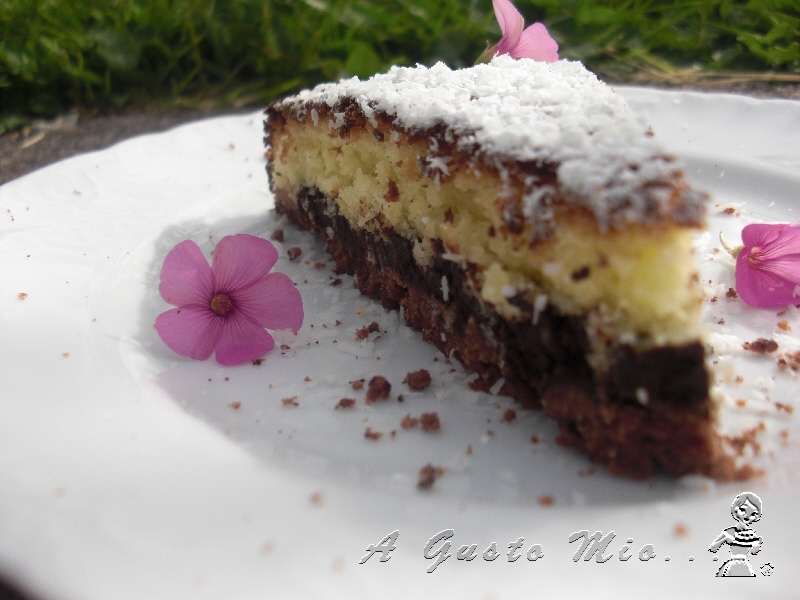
x=378, y=388
x=346, y=403
x=739, y=379
x=713, y=298
x=747, y=438
x=741, y=403
x=546, y=500
x=428, y=476
x=509, y=416
x=235, y=405
x=787, y=408
x=258, y=361
x=357, y=384
x=729, y=211
x=534, y=439
x=319, y=266
x=372, y=435
x=731, y=293
x=285, y=347
x=363, y=333
x=761, y=346
x=418, y=380
x=337, y=281
x=430, y=421
x=469, y=449
x=317, y=499
x=409, y=422
x=306, y=378
x=784, y=326
x=290, y=401
x=294, y=253
x=22, y=296
x=277, y=235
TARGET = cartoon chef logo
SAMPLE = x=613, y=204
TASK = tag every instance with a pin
x=742, y=539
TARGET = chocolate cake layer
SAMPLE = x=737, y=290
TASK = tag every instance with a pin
x=649, y=411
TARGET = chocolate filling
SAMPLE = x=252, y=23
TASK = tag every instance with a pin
x=650, y=410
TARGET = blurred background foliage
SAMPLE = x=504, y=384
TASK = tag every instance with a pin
x=57, y=55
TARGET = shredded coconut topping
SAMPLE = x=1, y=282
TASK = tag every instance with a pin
x=523, y=110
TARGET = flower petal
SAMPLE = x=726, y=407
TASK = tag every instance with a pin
x=511, y=24
x=536, y=43
x=242, y=341
x=241, y=260
x=786, y=244
x=272, y=302
x=762, y=234
x=763, y=288
x=191, y=331
x=186, y=277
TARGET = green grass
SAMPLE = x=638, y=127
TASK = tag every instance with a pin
x=59, y=54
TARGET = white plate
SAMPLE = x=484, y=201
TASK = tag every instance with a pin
x=125, y=472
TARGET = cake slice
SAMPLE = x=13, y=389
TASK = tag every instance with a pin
x=526, y=221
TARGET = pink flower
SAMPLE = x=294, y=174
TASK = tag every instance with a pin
x=768, y=265
x=225, y=307
x=533, y=42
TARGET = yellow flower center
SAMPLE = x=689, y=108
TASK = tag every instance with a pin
x=221, y=304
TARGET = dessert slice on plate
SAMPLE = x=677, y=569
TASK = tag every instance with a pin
x=526, y=221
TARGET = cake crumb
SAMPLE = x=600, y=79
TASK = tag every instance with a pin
x=741, y=403
x=509, y=416
x=317, y=499
x=363, y=333
x=409, y=422
x=787, y=408
x=337, y=281
x=319, y=265
x=784, y=326
x=290, y=401
x=731, y=293
x=235, y=405
x=277, y=235
x=22, y=296
x=306, y=378
x=428, y=476
x=372, y=435
x=430, y=421
x=418, y=380
x=534, y=439
x=546, y=500
x=378, y=388
x=761, y=346
x=294, y=253
x=258, y=362
x=680, y=530
x=357, y=384
x=789, y=361
x=345, y=403
x=746, y=438
x=469, y=449
x=729, y=211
